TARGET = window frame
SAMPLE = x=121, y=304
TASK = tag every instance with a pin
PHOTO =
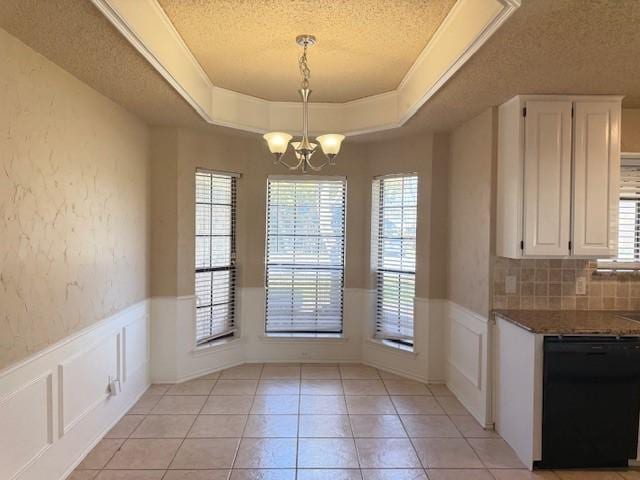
x=308, y=334
x=377, y=199
x=231, y=267
x=613, y=265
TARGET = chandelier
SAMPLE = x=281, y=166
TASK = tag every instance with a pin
x=304, y=149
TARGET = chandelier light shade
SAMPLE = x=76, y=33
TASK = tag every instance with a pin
x=330, y=144
x=303, y=150
x=278, y=143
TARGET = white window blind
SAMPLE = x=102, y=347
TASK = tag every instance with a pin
x=628, y=220
x=305, y=255
x=394, y=216
x=215, y=255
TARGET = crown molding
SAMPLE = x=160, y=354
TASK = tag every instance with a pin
x=468, y=25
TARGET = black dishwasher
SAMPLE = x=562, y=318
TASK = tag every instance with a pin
x=591, y=400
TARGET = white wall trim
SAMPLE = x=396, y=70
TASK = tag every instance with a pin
x=200, y=373
x=99, y=437
x=425, y=362
x=73, y=337
x=49, y=438
x=302, y=339
x=55, y=402
x=467, y=336
x=174, y=360
x=150, y=336
x=66, y=424
x=396, y=371
x=377, y=343
x=468, y=25
x=474, y=377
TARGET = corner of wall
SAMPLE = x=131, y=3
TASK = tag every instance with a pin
x=164, y=211
x=471, y=216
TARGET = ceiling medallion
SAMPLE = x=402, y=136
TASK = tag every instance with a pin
x=304, y=149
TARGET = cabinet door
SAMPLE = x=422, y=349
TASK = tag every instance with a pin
x=547, y=178
x=596, y=178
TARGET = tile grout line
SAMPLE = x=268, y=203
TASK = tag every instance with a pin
x=235, y=456
x=186, y=435
x=149, y=413
x=415, y=451
x=129, y=436
x=355, y=444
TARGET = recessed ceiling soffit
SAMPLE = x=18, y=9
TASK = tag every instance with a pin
x=465, y=28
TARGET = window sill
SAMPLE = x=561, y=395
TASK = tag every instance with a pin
x=393, y=347
x=216, y=345
x=304, y=338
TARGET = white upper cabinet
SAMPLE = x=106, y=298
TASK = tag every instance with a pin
x=547, y=178
x=558, y=176
x=596, y=178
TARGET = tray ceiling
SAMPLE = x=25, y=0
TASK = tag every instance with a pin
x=465, y=28
x=600, y=42
x=365, y=47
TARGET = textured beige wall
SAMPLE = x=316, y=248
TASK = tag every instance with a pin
x=409, y=155
x=73, y=204
x=439, y=220
x=630, y=130
x=472, y=155
x=173, y=225
x=164, y=210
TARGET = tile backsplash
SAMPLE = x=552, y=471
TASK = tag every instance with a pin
x=551, y=285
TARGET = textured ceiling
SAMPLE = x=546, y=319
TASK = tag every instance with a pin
x=547, y=46
x=77, y=37
x=364, y=47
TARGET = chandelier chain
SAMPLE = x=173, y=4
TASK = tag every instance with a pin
x=278, y=142
x=305, y=71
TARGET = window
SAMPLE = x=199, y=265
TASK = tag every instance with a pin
x=215, y=255
x=393, y=251
x=628, y=219
x=305, y=255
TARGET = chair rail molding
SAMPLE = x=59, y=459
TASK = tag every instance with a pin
x=56, y=403
x=176, y=358
x=468, y=25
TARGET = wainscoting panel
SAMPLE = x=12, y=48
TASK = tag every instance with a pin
x=56, y=405
x=135, y=341
x=262, y=348
x=175, y=357
x=424, y=362
x=467, y=345
x=466, y=351
x=84, y=379
x=33, y=432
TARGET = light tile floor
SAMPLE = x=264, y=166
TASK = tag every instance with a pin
x=306, y=422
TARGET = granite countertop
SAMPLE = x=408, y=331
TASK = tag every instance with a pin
x=580, y=322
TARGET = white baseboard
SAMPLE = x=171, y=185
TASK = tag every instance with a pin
x=200, y=373
x=395, y=371
x=175, y=357
x=54, y=406
x=55, y=403
x=425, y=363
x=101, y=434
